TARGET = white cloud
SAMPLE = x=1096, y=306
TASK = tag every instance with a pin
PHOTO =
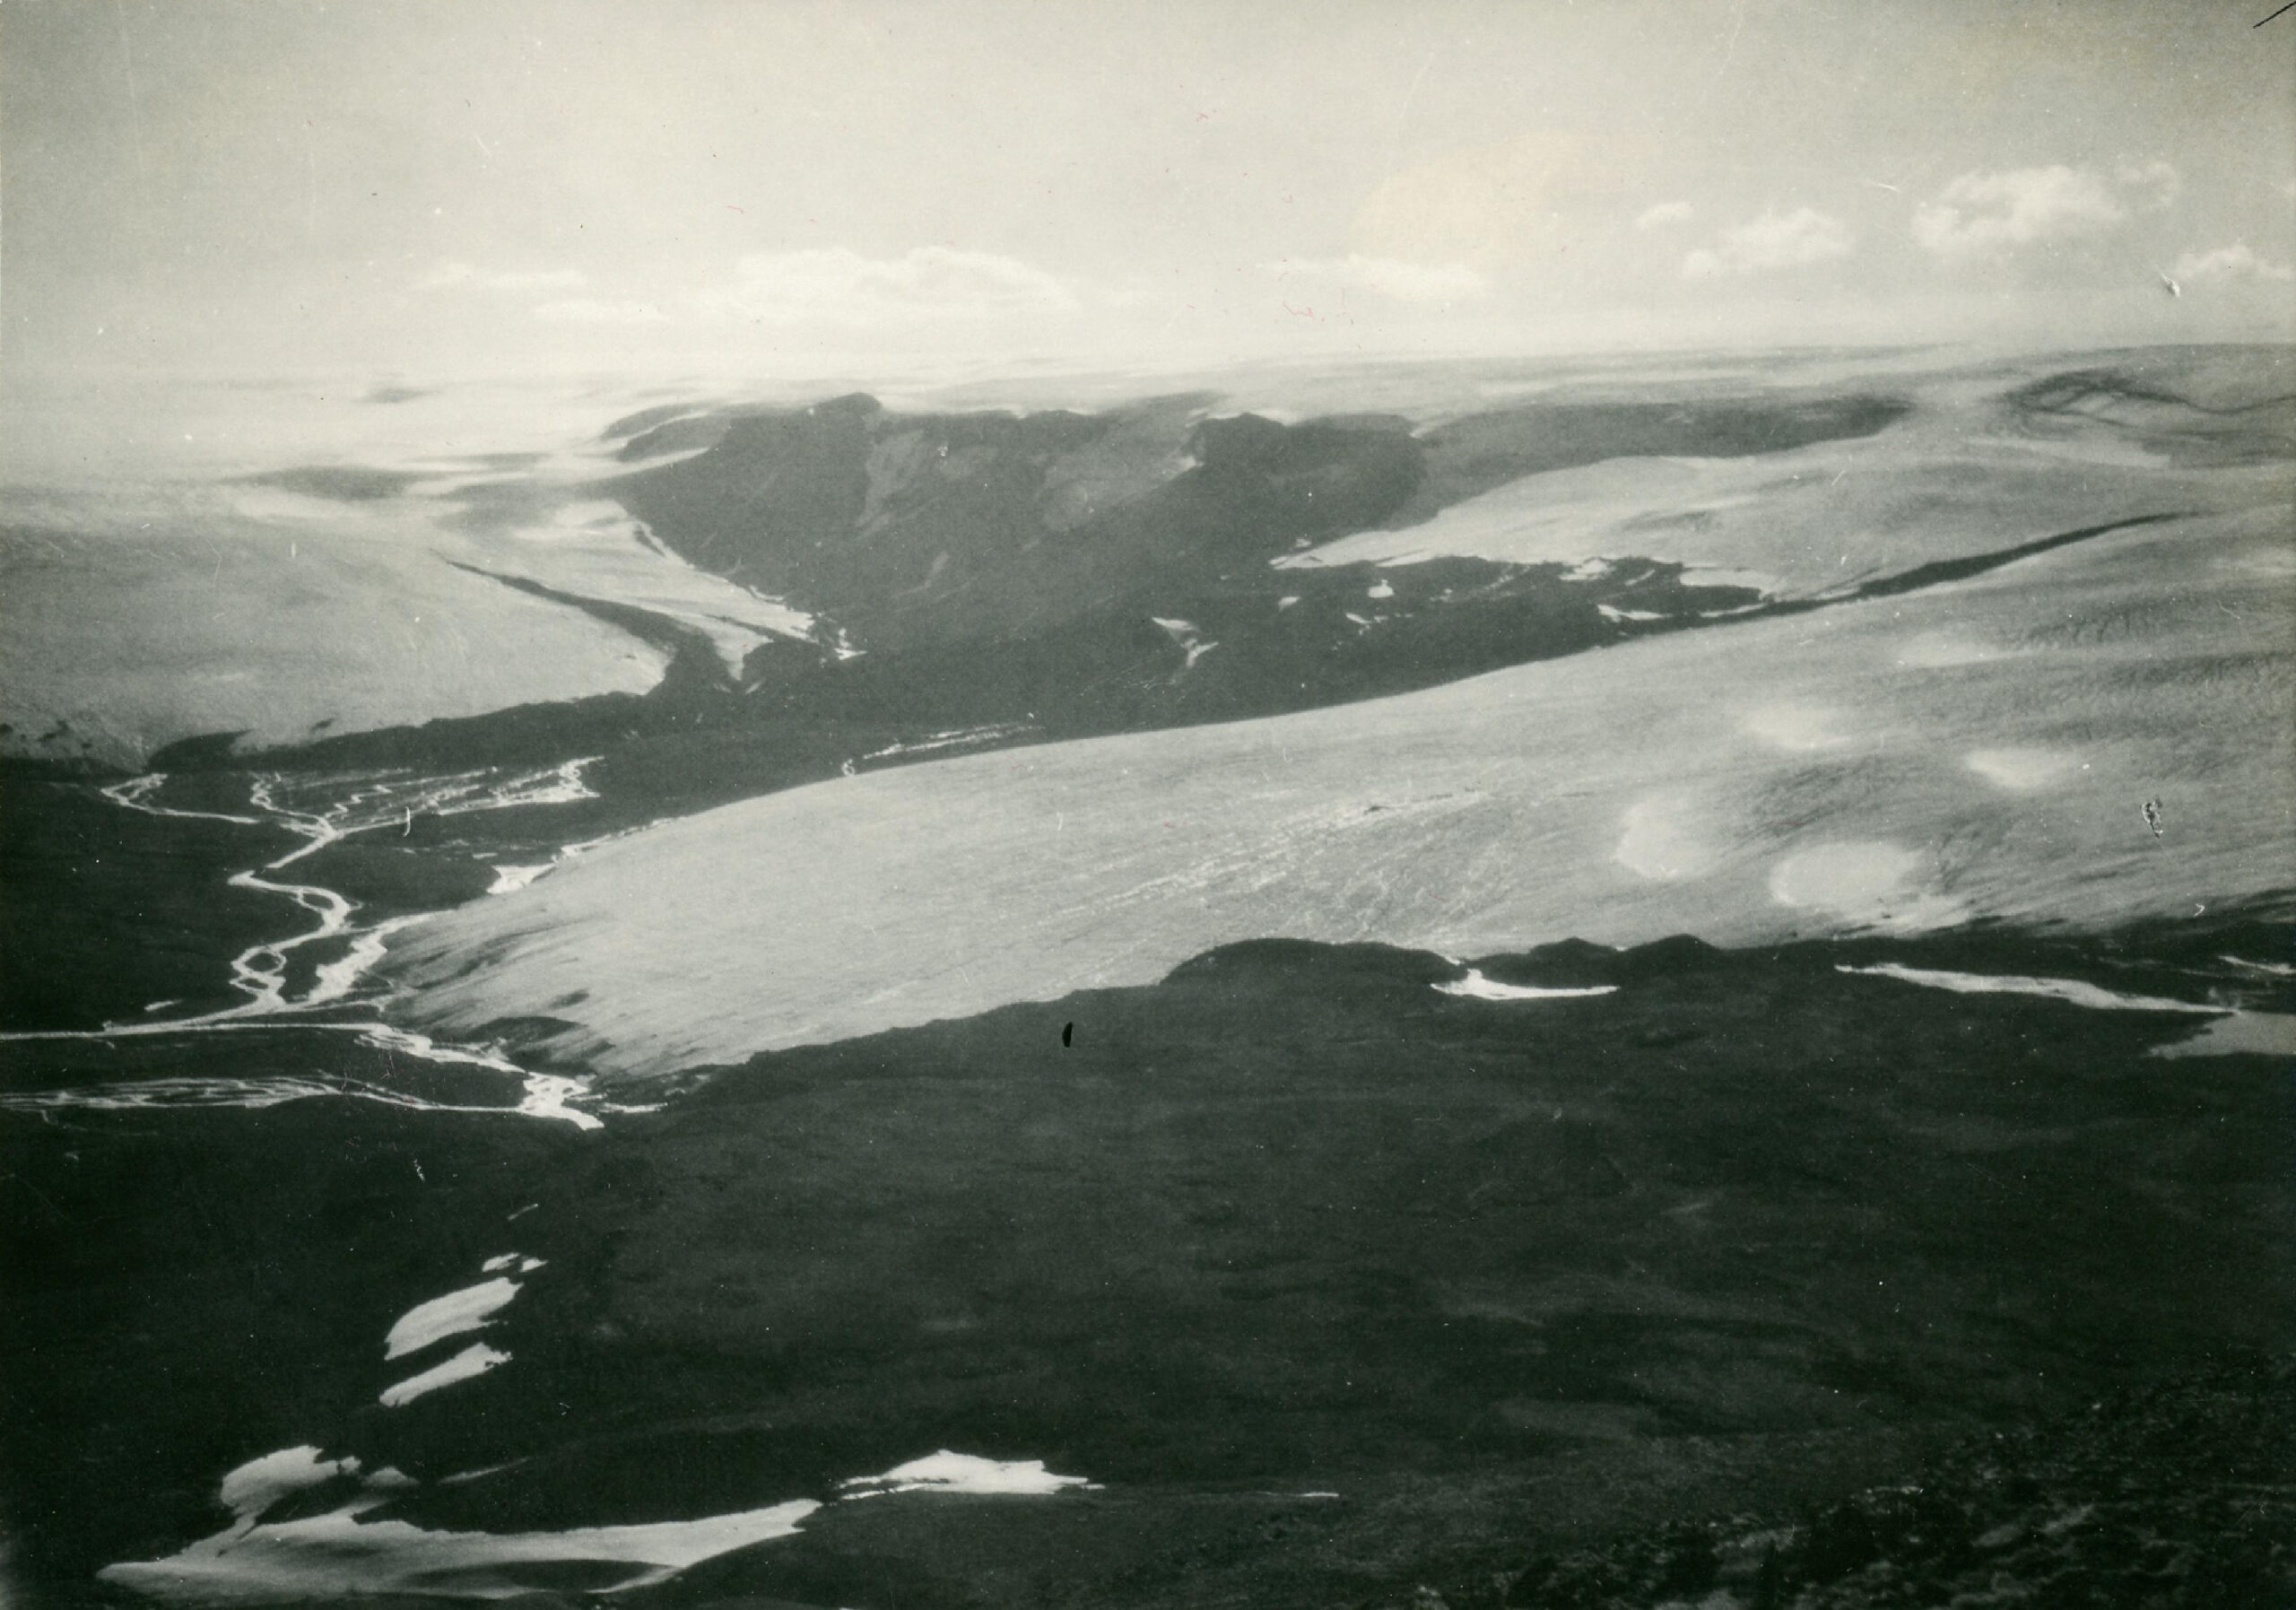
x=449, y=276
x=928, y=284
x=592, y=310
x=1665, y=214
x=1391, y=277
x=1983, y=215
x=1772, y=241
x=2233, y=262
x=2156, y=182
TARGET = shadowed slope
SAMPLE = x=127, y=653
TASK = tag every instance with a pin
x=909, y=528
x=1507, y=1277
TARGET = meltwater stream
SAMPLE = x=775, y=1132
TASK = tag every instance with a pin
x=311, y=1525
x=337, y=996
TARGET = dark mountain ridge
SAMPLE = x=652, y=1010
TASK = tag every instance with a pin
x=904, y=528
x=1056, y=574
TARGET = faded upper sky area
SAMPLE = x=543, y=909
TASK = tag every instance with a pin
x=501, y=186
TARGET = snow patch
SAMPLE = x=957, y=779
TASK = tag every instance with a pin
x=2275, y=970
x=342, y=1554
x=2021, y=770
x=1870, y=883
x=255, y=1486
x=1475, y=986
x=1658, y=842
x=471, y=1362
x=469, y=1309
x=1189, y=635
x=957, y=738
x=2239, y=1035
x=509, y=879
x=1797, y=728
x=948, y=1472
x=2074, y=990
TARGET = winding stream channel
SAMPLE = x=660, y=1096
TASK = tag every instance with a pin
x=281, y=989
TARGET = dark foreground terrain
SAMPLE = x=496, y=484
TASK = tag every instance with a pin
x=1751, y=1276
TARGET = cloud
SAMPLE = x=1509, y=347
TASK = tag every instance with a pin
x=2156, y=182
x=1984, y=215
x=450, y=276
x=927, y=284
x=1774, y=240
x=1665, y=214
x=1521, y=201
x=583, y=309
x=1391, y=277
x=2233, y=262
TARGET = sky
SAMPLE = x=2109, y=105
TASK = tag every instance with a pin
x=500, y=186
